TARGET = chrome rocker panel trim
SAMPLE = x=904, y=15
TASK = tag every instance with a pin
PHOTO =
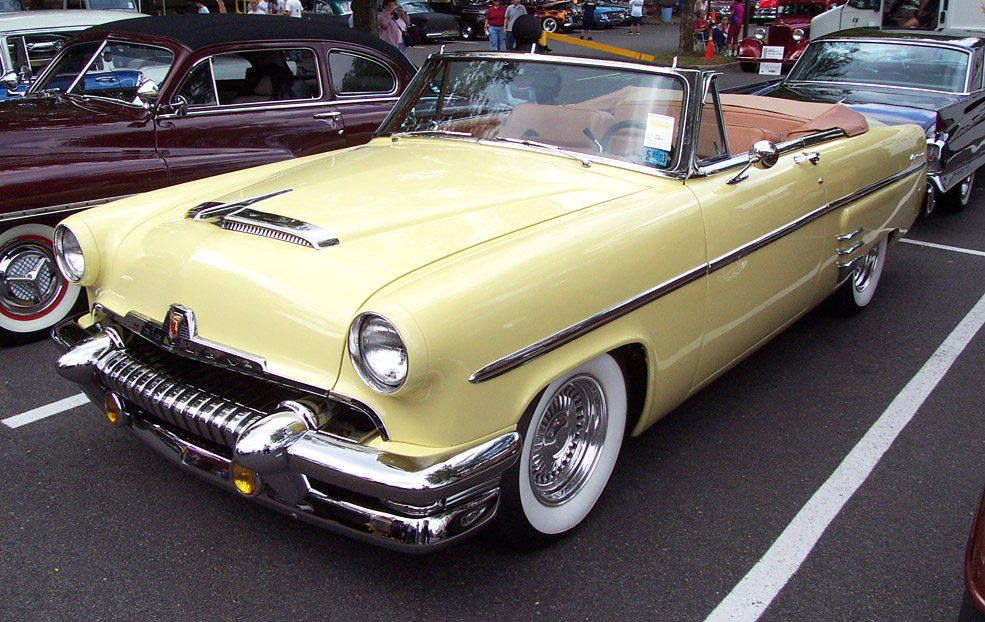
x=434, y=504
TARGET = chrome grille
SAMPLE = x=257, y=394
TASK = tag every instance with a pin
x=187, y=407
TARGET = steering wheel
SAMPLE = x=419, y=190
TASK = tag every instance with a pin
x=618, y=126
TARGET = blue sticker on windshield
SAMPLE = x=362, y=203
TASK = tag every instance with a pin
x=657, y=157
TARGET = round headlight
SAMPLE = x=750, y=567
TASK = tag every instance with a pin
x=68, y=254
x=760, y=33
x=798, y=35
x=378, y=353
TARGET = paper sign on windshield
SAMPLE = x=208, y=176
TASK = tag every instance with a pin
x=659, y=132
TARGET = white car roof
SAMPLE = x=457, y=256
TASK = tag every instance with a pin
x=24, y=21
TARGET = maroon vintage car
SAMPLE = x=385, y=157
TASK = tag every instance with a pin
x=790, y=30
x=139, y=104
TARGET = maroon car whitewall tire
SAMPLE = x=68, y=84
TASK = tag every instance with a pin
x=34, y=296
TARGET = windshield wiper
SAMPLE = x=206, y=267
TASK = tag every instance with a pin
x=552, y=148
x=432, y=133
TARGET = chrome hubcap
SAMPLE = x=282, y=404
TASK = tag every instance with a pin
x=29, y=281
x=863, y=273
x=966, y=185
x=568, y=440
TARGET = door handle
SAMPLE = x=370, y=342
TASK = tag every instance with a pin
x=813, y=157
x=335, y=118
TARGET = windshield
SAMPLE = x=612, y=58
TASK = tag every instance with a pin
x=626, y=115
x=414, y=7
x=803, y=10
x=127, y=5
x=109, y=70
x=884, y=63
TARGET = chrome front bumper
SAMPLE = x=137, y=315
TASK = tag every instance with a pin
x=389, y=499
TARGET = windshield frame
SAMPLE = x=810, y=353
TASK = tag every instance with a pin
x=36, y=89
x=789, y=80
x=679, y=167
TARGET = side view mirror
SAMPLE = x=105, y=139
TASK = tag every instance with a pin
x=147, y=93
x=10, y=80
x=763, y=155
x=179, y=105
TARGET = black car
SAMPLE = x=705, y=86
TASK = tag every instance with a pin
x=933, y=80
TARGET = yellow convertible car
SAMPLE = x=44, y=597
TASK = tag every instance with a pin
x=460, y=320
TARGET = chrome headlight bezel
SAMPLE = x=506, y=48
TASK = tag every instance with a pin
x=69, y=256
x=760, y=34
x=363, y=353
x=797, y=35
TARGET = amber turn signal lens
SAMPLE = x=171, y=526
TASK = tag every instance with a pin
x=245, y=480
x=114, y=408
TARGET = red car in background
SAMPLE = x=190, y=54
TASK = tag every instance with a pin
x=790, y=30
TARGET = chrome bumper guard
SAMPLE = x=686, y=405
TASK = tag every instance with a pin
x=388, y=499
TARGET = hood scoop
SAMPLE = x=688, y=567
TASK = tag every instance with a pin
x=239, y=216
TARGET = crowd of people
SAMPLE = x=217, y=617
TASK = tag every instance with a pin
x=724, y=33
x=291, y=8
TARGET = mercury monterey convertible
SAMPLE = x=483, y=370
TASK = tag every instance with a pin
x=140, y=104
x=462, y=317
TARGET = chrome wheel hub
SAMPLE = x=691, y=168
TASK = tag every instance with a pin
x=863, y=273
x=568, y=440
x=29, y=281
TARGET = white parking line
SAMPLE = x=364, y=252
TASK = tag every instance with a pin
x=955, y=249
x=754, y=593
x=45, y=411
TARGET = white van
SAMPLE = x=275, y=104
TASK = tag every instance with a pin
x=894, y=14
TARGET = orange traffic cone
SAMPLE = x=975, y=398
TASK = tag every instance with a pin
x=710, y=50
x=713, y=20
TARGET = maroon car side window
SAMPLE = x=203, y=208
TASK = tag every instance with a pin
x=354, y=74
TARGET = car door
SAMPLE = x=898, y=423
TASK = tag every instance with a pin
x=965, y=124
x=246, y=107
x=365, y=89
x=764, y=259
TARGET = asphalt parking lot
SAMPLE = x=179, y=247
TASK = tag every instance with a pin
x=831, y=476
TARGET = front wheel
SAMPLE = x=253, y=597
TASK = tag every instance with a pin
x=571, y=440
x=467, y=31
x=33, y=294
x=956, y=199
x=550, y=24
x=747, y=67
x=856, y=293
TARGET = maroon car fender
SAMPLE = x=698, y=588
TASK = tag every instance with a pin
x=799, y=49
x=974, y=559
x=751, y=47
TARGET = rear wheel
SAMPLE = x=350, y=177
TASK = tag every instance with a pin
x=467, y=31
x=549, y=24
x=571, y=439
x=956, y=199
x=856, y=293
x=33, y=294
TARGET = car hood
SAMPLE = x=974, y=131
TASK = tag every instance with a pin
x=889, y=105
x=393, y=206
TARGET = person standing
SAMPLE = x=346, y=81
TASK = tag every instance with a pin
x=201, y=7
x=587, y=19
x=635, y=16
x=735, y=27
x=513, y=11
x=293, y=8
x=262, y=7
x=495, y=25
x=388, y=28
x=701, y=5
x=254, y=9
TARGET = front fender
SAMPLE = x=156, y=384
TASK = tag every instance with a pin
x=751, y=47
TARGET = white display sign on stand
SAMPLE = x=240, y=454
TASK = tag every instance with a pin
x=774, y=52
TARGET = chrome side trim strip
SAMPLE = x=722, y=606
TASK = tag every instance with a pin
x=555, y=341
x=849, y=236
x=56, y=209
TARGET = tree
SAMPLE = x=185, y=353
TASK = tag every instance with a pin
x=364, y=16
x=686, y=45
